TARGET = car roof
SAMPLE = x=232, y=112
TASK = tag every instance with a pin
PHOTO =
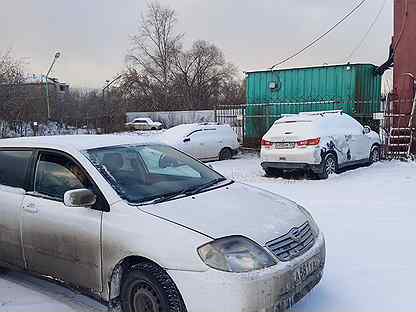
x=185, y=129
x=77, y=142
x=311, y=116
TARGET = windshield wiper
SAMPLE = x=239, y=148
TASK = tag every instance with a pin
x=188, y=192
x=204, y=186
x=169, y=196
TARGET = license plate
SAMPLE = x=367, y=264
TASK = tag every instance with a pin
x=301, y=273
x=284, y=145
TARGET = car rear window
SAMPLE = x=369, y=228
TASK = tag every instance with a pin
x=13, y=167
x=296, y=127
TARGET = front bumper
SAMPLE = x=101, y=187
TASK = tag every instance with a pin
x=268, y=290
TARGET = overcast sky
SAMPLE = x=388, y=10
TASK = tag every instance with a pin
x=94, y=35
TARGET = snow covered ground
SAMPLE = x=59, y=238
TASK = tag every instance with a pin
x=367, y=214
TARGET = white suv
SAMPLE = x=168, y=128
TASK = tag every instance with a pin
x=321, y=142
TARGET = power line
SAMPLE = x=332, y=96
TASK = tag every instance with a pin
x=358, y=46
x=321, y=36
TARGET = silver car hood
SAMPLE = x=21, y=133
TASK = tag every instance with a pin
x=237, y=209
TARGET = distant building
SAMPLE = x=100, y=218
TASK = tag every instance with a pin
x=32, y=91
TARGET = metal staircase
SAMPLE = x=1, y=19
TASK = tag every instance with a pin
x=401, y=140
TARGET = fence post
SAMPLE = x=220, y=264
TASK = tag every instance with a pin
x=215, y=112
x=243, y=124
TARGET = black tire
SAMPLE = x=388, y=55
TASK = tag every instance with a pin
x=273, y=172
x=148, y=288
x=2, y=270
x=153, y=128
x=329, y=166
x=374, y=154
x=226, y=153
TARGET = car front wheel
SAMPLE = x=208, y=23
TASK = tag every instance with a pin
x=148, y=288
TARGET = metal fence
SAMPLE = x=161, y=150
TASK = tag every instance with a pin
x=234, y=115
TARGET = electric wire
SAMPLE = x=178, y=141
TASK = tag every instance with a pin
x=321, y=36
x=358, y=46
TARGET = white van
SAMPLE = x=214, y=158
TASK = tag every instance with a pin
x=321, y=142
x=204, y=141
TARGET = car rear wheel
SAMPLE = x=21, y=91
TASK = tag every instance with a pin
x=374, y=154
x=273, y=172
x=226, y=153
x=148, y=288
x=329, y=167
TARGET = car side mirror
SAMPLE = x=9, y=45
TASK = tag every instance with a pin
x=366, y=130
x=79, y=198
x=187, y=140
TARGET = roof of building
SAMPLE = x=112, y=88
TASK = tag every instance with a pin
x=278, y=69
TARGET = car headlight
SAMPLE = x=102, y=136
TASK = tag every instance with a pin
x=235, y=254
x=312, y=223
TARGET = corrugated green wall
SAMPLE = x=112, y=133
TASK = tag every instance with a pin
x=353, y=88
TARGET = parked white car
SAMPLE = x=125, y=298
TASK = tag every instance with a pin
x=205, y=141
x=321, y=142
x=143, y=124
x=143, y=225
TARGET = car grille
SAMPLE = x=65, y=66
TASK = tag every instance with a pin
x=293, y=244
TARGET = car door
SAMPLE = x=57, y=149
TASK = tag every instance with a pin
x=195, y=144
x=14, y=165
x=138, y=124
x=214, y=142
x=59, y=241
x=359, y=140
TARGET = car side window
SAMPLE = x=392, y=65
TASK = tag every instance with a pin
x=13, y=167
x=56, y=174
x=158, y=162
x=354, y=125
x=197, y=134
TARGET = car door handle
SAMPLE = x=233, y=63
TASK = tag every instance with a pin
x=31, y=208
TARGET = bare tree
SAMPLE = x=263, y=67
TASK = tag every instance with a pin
x=12, y=102
x=155, y=48
x=202, y=73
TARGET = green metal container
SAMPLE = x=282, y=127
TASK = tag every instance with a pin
x=354, y=88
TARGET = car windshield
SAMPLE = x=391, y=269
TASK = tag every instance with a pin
x=151, y=173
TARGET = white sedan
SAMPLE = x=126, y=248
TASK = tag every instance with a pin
x=143, y=227
x=205, y=141
x=144, y=124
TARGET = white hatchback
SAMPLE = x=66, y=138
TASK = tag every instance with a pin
x=204, y=141
x=321, y=142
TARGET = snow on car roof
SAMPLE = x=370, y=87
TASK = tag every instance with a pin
x=181, y=130
x=77, y=142
x=309, y=116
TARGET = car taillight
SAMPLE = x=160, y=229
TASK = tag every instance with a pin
x=266, y=144
x=309, y=142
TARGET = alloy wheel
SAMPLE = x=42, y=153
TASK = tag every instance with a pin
x=330, y=166
x=375, y=155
